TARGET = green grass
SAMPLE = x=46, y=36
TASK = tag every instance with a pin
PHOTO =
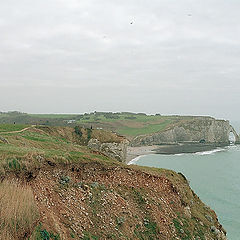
x=24, y=148
x=128, y=124
x=70, y=156
x=139, y=197
x=42, y=137
x=150, y=231
x=120, y=117
x=12, y=150
x=182, y=230
x=132, y=124
x=12, y=127
x=14, y=156
x=89, y=236
x=151, y=128
x=148, y=123
x=52, y=116
x=33, y=138
x=42, y=234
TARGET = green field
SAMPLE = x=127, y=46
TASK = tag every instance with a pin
x=147, y=129
x=124, y=123
x=12, y=127
x=54, y=116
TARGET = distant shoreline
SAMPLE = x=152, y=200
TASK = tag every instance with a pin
x=134, y=152
x=168, y=149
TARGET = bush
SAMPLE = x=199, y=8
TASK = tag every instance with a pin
x=111, y=116
x=78, y=131
x=120, y=221
x=43, y=234
x=89, y=133
x=13, y=164
x=130, y=117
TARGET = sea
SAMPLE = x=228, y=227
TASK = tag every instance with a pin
x=213, y=175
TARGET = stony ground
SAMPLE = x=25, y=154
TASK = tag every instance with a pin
x=96, y=202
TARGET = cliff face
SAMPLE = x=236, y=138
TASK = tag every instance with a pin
x=95, y=201
x=114, y=150
x=71, y=192
x=108, y=143
x=207, y=130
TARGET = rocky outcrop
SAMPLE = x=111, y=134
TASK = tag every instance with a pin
x=207, y=130
x=114, y=150
x=3, y=140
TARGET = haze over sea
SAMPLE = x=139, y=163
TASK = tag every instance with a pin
x=213, y=175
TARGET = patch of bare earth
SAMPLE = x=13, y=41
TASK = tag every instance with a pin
x=110, y=203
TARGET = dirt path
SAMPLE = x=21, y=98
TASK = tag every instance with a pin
x=19, y=131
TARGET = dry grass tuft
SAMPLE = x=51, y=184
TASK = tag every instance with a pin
x=18, y=212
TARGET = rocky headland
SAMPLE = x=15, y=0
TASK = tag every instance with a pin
x=203, y=130
x=72, y=184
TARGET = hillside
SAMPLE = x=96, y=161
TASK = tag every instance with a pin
x=54, y=187
x=201, y=130
x=125, y=123
x=139, y=128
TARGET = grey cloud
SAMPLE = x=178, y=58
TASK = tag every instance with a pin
x=137, y=55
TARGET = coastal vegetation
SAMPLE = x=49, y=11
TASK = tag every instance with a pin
x=125, y=123
x=18, y=210
x=12, y=127
x=54, y=187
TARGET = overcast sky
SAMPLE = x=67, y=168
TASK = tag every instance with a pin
x=158, y=56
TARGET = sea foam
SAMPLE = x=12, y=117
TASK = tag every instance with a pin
x=133, y=161
x=211, y=151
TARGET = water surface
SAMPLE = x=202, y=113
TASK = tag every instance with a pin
x=214, y=176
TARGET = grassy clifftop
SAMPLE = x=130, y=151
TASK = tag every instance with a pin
x=54, y=188
x=57, y=144
x=125, y=123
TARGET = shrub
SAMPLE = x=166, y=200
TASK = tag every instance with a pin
x=111, y=116
x=120, y=221
x=42, y=234
x=130, y=117
x=78, y=131
x=13, y=164
x=89, y=133
x=64, y=180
